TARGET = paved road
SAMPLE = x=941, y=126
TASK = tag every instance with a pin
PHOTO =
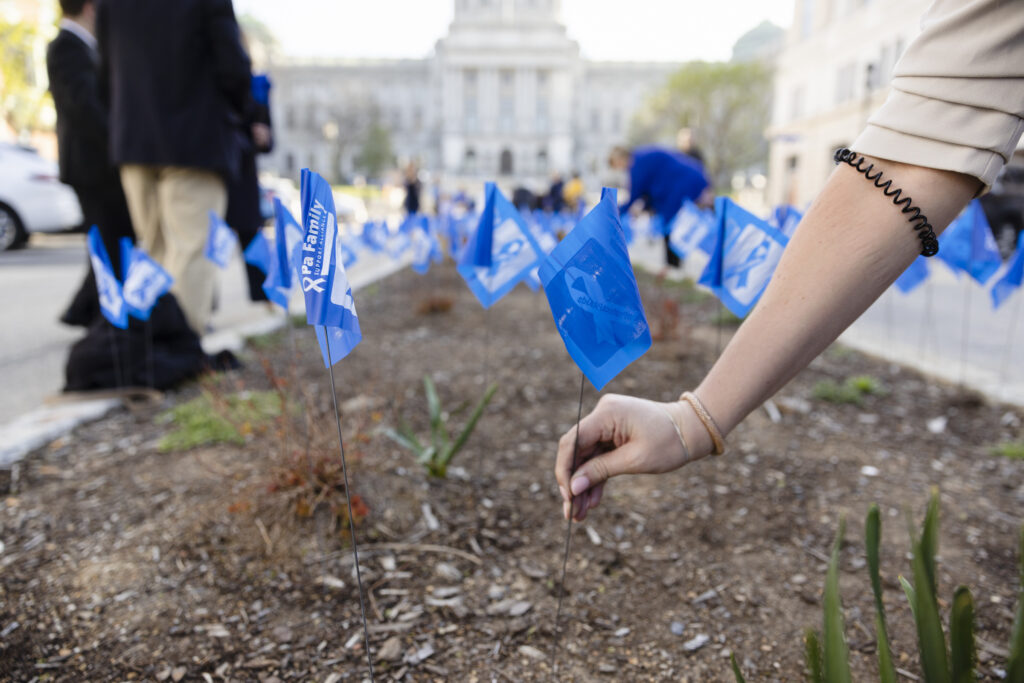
x=925, y=329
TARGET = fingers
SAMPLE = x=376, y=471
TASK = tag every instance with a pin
x=595, y=428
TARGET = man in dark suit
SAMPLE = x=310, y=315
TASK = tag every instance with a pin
x=178, y=83
x=72, y=63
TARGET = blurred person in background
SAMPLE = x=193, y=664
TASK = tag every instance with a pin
x=72, y=64
x=254, y=136
x=411, y=203
x=573, y=192
x=178, y=82
x=662, y=179
x=555, y=200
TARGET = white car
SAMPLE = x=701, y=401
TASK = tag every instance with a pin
x=32, y=198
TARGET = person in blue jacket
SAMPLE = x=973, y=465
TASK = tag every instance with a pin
x=663, y=179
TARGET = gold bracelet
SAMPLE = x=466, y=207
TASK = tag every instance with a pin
x=709, y=422
x=682, y=439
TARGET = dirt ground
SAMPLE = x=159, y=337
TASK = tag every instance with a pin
x=120, y=561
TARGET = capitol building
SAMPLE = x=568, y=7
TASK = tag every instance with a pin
x=506, y=94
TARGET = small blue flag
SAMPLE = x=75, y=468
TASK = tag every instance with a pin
x=329, y=301
x=258, y=253
x=744, y=258
x=1012, y=276
x=396, y=244
x=221, y=243
x=260, y=86
x=107, y=286
x=145, y=280
x=273, y=284
x=915, y=274
x=349, y=252
x=594, y=297
x=785, y=217
x=287, y=238
x=692, y=228
x=502, y=251
x=547, y=243
x=968, y=245
x=425, y=247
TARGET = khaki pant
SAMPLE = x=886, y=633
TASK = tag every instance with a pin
x=170, y=208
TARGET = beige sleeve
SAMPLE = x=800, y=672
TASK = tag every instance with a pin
x=957, y=99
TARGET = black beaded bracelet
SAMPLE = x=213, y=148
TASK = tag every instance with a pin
x=929, y=242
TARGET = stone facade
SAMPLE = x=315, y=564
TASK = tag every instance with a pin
x=506, y=94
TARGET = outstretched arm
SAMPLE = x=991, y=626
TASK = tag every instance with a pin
x=850, y=247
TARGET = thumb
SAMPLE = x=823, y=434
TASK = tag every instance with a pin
x=600, y=468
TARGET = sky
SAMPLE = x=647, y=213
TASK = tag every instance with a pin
x=662, y=30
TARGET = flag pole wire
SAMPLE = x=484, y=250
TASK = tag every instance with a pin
x=568, y=536
x=348, y=500
x=966, y=323
x=1005, y=364
x=487, y=377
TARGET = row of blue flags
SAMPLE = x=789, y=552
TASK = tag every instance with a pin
x=145, y=281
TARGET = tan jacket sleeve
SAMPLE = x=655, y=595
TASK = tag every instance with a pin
x=957, y=98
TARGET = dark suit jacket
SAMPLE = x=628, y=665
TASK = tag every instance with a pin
x=177, y=80
x=73, y=69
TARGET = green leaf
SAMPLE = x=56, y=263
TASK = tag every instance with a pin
x=911, y=596
x=812, y=656
x=837, y=656
x=438, y=429
x=872, y=538
x=1015, y=664
x=404, y=441
x=930, y=540
x=961, y=636
x=736, y=669
x=478, y=411
x=931, y=640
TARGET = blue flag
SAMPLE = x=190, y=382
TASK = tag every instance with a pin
x=968, y=245
x=329, y=301
x=425, y=246
x=273, y=285
x=107, y=286
x=915, y=274
x=221, y=242
x=1012, y=276
x=692, y=228
x=744, y=258
x=785, y=218
x=258, y=253
x=287, y=240
x=547, y=242
x=502, y=251
x=145, y=280
x=594, y=297
x=375, y=235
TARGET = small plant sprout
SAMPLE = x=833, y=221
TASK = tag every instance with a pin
x=436, y=455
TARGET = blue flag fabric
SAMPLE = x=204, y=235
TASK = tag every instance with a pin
x=692, y=228
x=1012, y=276
x=425, y=247
x=258, y=253
x=968, y=245
x=502, y=251
x=594, y=297
x=547, y=243
x=914, y=276
x=785, y=217
x=273, y=285
x=145, y=280
x=221, y=242
x=745, y=255
x=329, y=301
x=287, y=238
x=107, y=286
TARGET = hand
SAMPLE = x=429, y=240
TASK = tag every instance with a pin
x=623, y=435
x=261, y=135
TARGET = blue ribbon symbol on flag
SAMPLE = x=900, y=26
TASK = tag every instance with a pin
x=221, y=243
x=329, y=301
x=785, y=218
x=501, y=253
x=107, y=286
x=145, y=280
x=744, y=258
x=594, y=297
x=692, y=228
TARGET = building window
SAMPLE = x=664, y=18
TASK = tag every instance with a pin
x=595, y=120
x=505, y=162
x=796, y=104
x=469, y=100
x=506, y=101
x=616, y=121
x=417, y=119
x=289, y=163
x=289, y=118
x=845, y=85
x=469, y=161
x=542, y=161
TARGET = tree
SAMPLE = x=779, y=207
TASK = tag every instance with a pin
x=727, y=105
x=375, y=156
x=21, y=95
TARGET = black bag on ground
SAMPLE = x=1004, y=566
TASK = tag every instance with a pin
x=160, y=353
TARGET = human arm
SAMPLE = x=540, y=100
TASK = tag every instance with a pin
x=851, y=245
